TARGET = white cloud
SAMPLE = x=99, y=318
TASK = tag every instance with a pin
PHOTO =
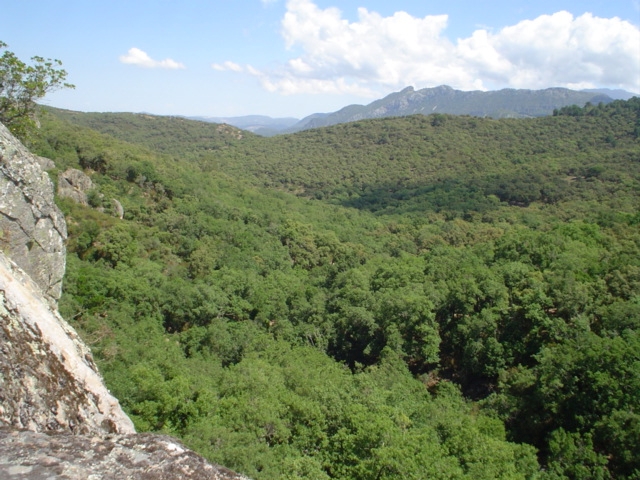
x=138, y=57
x=375, y=53
x=559, y=49
x=227, y=67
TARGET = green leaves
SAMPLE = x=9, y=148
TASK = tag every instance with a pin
x=21, y=85
x=289, y=337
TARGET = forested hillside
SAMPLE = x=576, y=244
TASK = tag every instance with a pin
x=418, y=297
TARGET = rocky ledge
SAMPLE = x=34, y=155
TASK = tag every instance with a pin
x=48, y=379
x=40, y=456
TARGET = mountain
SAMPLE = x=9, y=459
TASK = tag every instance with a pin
x=616, y=94
x=506, y=103
x=260, y=124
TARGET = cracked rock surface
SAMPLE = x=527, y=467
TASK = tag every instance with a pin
x=37, y=456
x=32, y=227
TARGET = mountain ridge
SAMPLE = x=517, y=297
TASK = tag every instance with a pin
x=505, y=103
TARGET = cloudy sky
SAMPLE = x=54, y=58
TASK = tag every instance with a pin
x=296, y=57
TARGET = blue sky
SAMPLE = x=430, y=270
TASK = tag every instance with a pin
x=296, y=57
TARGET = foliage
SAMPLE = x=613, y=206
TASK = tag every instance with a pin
x=460, y=301
x=21, y=85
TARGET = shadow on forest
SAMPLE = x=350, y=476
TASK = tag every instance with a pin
x=454, y=195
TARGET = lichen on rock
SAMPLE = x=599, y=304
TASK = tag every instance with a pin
x=35, y=456
x=32, y=228
x=48, y=379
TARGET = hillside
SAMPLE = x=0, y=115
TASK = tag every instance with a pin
x=440, y=296
x=418, y=162
x=58, y=418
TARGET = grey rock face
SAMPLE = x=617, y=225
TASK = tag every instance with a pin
x=118, y=210
x=32, y=228
x=74, y=184
x=48, y=379
x=38, y=456
x=46, y=163
x=57, y=419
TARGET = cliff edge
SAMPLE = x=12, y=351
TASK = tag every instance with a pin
x=49, y=381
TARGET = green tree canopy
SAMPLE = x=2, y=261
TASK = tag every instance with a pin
x=21, y=85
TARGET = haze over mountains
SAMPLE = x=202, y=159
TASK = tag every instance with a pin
x=506, y=103
x=260, y=124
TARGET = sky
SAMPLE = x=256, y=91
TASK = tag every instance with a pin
x=292, y=58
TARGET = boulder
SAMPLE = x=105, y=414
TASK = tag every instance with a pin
x=118, y=210
x=45, y=163
x=74, y=184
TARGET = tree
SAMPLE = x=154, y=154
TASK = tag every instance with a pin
x=21, y=85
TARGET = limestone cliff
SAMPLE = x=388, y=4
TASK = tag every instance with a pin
x=57, y=418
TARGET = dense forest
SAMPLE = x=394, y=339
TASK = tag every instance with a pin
x=418, y=297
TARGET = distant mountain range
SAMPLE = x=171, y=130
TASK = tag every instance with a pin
x=506, y=103
x=260, y=124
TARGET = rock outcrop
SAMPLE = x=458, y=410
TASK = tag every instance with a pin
x=48, y=379
x=32, y=227
x=74, y=184
x=40, y=456
x=57, y=418
x=118, y=209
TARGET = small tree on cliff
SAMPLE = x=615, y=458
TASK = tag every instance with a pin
x=21, y=85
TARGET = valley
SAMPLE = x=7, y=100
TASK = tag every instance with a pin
x=421, y=296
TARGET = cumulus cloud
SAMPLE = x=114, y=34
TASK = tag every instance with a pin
x=375, y=53
x=558, y=49
x=138, y=57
